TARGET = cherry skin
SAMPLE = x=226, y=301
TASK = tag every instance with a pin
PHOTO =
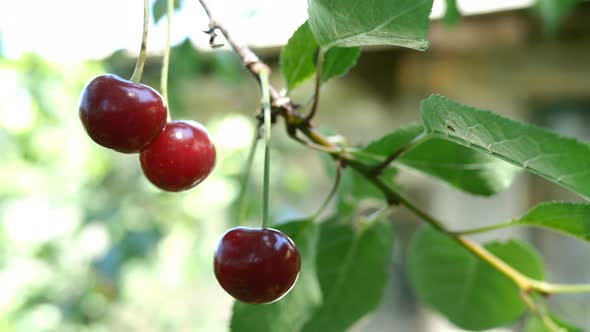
x=121, y=115
x=256, y=265
x=180, y=157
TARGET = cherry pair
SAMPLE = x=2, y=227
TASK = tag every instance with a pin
x=254, y=265
x=131, y=118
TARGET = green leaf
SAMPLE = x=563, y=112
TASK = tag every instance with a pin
x=394, y=141
x=565, y=217
x=554, y=11
x=469, y=291
x=292, y=311
x=350, y=23
x=463, y=168
x=562, y=160
x=339, y=61
x=352, y=266
x=534, y=324
x=452, y=14
x=299, y=57
x=160, y=8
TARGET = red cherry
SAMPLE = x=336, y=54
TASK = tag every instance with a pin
x=180, y=157
x=256, y=265
x=121, y=115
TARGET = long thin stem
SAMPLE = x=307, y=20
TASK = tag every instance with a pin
x=484, y=229
x=332, y=193
x=550, y=288
x=166, y=60
x=318, y=84
x=523, y=282
x=245, y=179
x=138, y=71
x=264, y=84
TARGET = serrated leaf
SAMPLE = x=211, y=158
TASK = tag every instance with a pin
x=352, y=267
x=339, y=61
x=394, y=141
x=292, y=311
x=299, y=57
x=534, y=324
x=160, y=8
x=559, y=159
x=461, y=167
x=565, y=217
x=468, y=291
x=348, y=23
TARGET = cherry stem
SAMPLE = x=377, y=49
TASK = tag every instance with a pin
x=245, y=180
x=166, y=60
x=264, y=85
x=332, y=193
x=138, y=71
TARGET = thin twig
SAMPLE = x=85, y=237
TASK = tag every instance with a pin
x=249, y=58
x=485, y=229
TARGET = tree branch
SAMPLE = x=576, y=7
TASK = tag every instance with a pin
x=295, y=122
x=249, y=58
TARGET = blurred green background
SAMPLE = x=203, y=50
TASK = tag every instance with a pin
x=87, y=244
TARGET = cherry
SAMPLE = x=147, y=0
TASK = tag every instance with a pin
x=120, y=114
x=256, y=265
x=180, y=157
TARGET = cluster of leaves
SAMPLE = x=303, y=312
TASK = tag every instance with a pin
x=473, y=150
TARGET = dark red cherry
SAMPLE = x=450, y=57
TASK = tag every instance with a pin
x=256, y=265
x=180, y=157
x=121, y=115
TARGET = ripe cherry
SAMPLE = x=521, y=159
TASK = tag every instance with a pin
x=120, y=114
x=180, y=157
x=256, y=265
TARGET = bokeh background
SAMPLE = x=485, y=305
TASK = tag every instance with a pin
x=87, y=244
